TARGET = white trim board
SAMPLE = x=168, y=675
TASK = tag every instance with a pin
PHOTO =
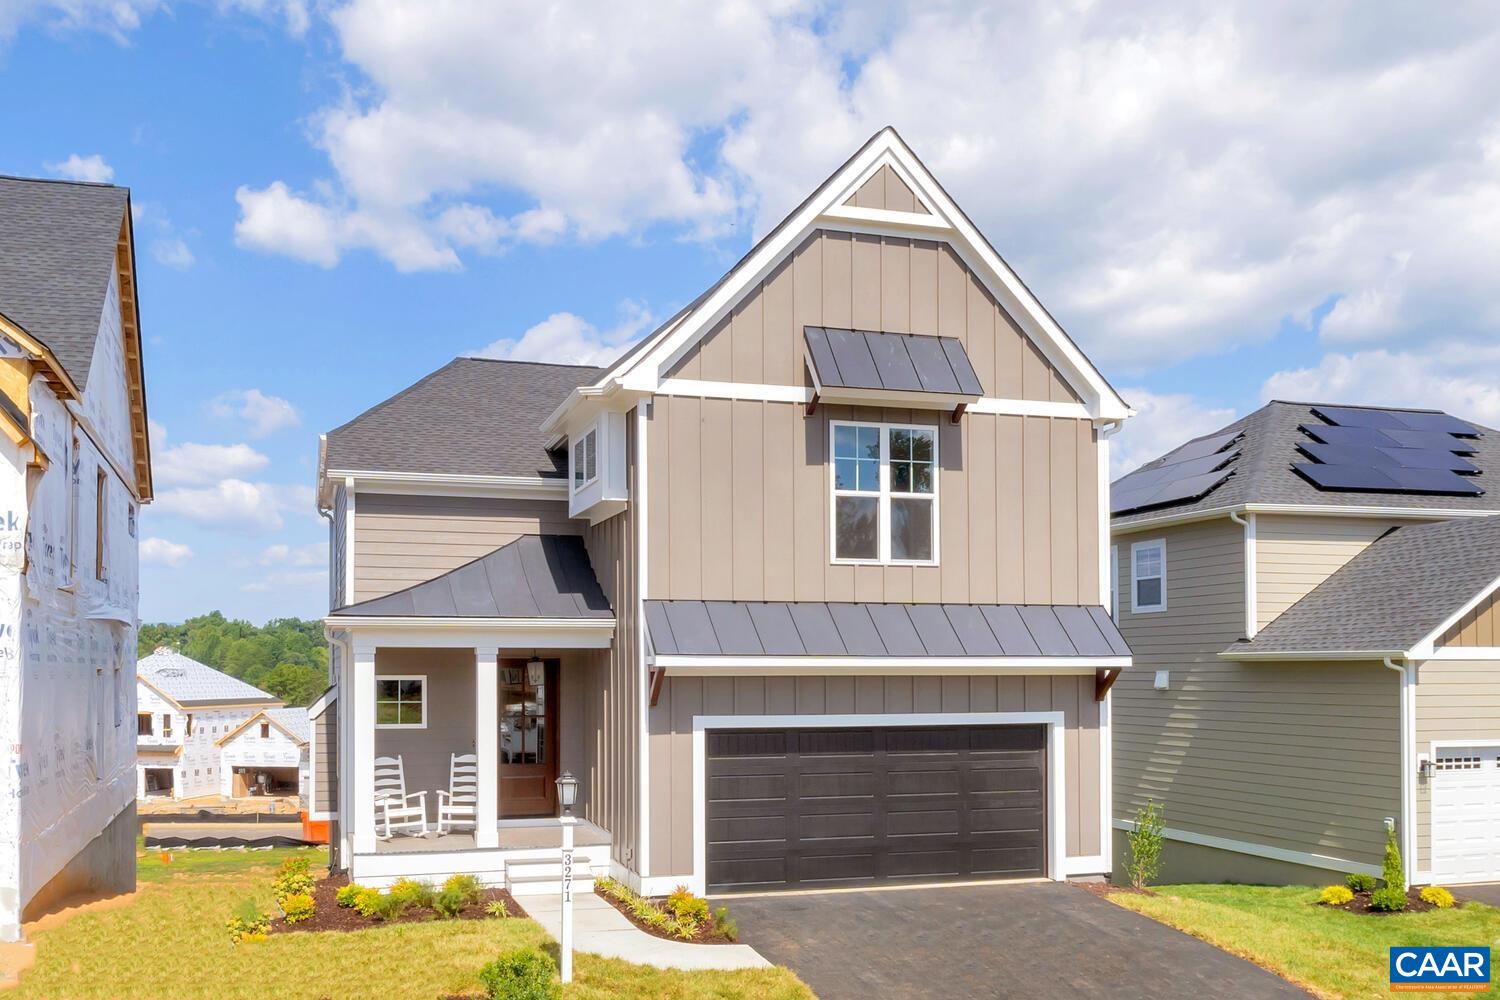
x=1424, y=649
x=1056, y=783
x=1463, y=653
x=705, y=389
x=1258, y=850
x=749, y=666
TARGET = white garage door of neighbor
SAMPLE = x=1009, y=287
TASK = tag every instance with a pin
x=1466, y=814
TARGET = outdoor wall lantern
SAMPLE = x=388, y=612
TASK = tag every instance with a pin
x=567, y=791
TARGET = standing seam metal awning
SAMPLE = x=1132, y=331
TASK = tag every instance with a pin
x=863, y=360
x=817, y=628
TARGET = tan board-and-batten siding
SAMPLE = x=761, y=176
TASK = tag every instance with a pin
x=682, y=698
x=401, y=540
x=1301, y=757
x=1480, y=627
x=885, y=189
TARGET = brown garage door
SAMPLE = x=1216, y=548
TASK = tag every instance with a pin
x=809, y=808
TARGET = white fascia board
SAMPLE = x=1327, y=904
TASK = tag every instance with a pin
x=1487, y=653
x=448, y=632
x=319, y=706
x=451, y=484
x=705, y=389
x=1309, y=510
x=1425, y=649
x=722, y=666
x=1374, y=655
x=906, y=223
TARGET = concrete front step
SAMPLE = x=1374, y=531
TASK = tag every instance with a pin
x=543, y=877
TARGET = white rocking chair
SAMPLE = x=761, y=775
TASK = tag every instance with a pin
x=395, y=808
x=458, y=805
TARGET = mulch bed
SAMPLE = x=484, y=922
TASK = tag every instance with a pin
x=330, y=916
x=708, y=933
x=1106, y=889
x=1361, y=904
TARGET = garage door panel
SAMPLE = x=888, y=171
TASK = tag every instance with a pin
x=846, y=807
x=1465, y=793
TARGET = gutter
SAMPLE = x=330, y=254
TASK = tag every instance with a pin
x=1408, y=698
x=1252, y=612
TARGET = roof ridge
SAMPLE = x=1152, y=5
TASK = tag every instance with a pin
x=65, y=181
x=525, y=361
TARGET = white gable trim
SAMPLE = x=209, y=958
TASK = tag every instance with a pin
x=1426, y=649
x=642, y=373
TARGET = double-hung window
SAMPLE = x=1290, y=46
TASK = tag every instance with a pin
x=1148, y=576
x=585, y=460
x=884, y=493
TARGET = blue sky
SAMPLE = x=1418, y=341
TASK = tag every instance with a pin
x=334, y=198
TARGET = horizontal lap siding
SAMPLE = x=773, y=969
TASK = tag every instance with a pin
x=325, y=736
x=671, y=722
x=451, y=716
x=1295, y=554
x=740, y=506
x=404, y=540
x=1304, y=757
x=1456, y=700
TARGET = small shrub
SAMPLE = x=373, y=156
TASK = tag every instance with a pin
x=1391, y=869
x=727, y=927
x=297, y=907
x=466, y=885
x=347, y=894
x=1145, y=845
x=523, y=974
x=1388, y=899
x=497, y=909
x=686, y=907
x=449, y=902
x=1335, y=895
x=1436, y=895
x=367, y=901
x=249, y=923
x=1360, y=882
x=293, y=878
x=411, y=894
x=388, y=907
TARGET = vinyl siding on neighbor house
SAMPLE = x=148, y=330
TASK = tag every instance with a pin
x=1299, y=756
x=1457, y=700
x=1295, y=554
x=671, y=726
x=325, y=740
x=403, y=540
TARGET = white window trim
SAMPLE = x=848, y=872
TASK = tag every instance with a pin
x=884, y=497
x=1148, y=609
x=401, y=677
x=578, y=486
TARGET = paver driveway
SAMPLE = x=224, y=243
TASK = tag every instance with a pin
x=1022, y=940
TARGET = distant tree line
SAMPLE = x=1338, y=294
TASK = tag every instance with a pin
x=287, y=656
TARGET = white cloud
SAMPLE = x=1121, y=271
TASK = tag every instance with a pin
x=1465, y=384
x=293, y=13
x=115, y=18
x=1162, y=422
x=285, y=580
x=564, y=338
x=275, y=220
x=235, y=505
x=281, y=554
x=202, y=464
x=84, y=168
x=263, y=415
x=173, y=252
x=161, y=552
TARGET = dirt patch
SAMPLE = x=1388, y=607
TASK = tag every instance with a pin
x=330, y=916
x=708, y=932
x=1106, y=889
x=1361, y=904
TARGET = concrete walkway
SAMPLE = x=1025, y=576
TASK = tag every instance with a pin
x=601, y=929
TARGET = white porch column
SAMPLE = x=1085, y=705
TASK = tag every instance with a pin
x=487, y=745
x=363, y=833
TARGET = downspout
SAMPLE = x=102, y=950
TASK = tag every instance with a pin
x=1408, y=840
x=1252, y=612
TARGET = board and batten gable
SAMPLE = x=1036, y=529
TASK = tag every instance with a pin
x=1480, y=626
x=1296, y=759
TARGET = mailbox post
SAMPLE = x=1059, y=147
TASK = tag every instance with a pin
x=567, y=793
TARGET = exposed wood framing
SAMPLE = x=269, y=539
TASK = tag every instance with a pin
x=1104, y=679
x=130, y=323
x=50, y=370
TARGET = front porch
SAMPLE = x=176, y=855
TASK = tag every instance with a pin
x=525, y=861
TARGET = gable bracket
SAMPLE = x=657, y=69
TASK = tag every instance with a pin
x=1104, y=679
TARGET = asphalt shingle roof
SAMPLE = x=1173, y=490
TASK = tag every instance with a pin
x=188, y=682
x=1391, y=595
x=57, y=252
x=473, y=416
x=1263, y=473
x=293, y=720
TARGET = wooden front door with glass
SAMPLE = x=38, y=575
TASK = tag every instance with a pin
x=528, y=737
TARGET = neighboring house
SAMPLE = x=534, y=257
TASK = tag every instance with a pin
x=185, y=708
x=1309, y=593
x=75, y=467
x=807, y=589
x=267, y=754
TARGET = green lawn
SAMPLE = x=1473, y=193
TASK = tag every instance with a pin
x=170, y=942
x=1333, y=953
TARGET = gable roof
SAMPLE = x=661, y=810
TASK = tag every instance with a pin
x=190, y=684
x=1390, y=597
x=1263, y=473
x=473, y=416
x=535, y=576
x=641, y=367
x=58, y=241
x=291, y=721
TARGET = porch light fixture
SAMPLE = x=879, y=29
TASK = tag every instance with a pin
x=567, y=791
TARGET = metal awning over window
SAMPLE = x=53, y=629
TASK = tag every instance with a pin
x=861, y=366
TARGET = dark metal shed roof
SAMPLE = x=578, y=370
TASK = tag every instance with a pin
x=904, y=362
x=817, y=628
x=536, y=576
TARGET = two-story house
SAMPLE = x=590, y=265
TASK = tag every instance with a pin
x=75, y=468
x=1309, y=593
x=808, y=589
x=184, y=710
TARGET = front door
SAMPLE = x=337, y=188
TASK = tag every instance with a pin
x=528, y=738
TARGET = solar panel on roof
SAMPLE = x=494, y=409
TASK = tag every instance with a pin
x=1191, y=488
x=1346, y=477
x=1206, y=446
x=1334, y=434
x=1409, y=458
x=1434, y=481
x=1434, y=421
x=1354, y=416
x=1431, y=439
x=1390, y=451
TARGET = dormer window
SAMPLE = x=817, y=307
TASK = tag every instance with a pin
x=884, y=493
x=585, y=460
